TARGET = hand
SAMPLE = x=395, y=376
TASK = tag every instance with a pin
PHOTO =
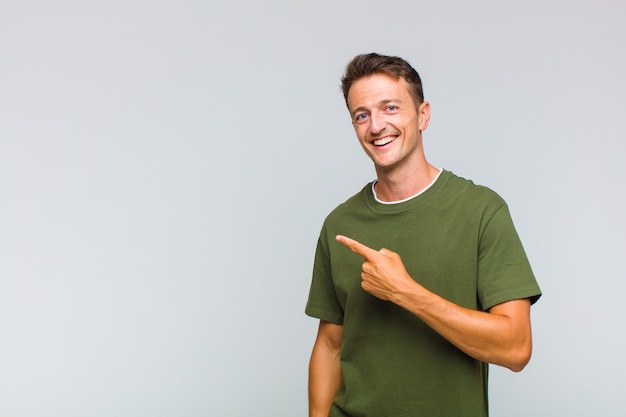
x=384, y=273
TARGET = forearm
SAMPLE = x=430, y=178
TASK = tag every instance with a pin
x=501, y=336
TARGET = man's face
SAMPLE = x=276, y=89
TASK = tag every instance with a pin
x=386, y=120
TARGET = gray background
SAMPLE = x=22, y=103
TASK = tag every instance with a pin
x=165, y=167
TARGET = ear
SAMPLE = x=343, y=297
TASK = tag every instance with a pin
x=423, y=115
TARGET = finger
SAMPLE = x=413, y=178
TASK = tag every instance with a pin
x=366, y=252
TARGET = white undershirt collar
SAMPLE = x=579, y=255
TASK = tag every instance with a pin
x=405, y=199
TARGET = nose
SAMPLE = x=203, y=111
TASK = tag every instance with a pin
x=377, y=123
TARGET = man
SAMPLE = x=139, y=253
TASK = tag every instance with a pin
x=420, y=279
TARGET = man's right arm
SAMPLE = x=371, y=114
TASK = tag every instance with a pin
x=325, y=375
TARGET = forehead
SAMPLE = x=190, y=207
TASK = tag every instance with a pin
x=376, y=88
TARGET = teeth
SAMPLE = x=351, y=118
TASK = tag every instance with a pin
x=383, y=141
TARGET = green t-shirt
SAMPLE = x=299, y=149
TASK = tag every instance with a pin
x=457, y=240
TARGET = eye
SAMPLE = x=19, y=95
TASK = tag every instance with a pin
x=360, y=117
x=392, y=108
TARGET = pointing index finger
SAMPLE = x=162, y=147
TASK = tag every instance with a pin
x=366, y=252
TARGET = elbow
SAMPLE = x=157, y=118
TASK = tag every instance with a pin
x=519, y=365
x=514, y=338
x=519, y=358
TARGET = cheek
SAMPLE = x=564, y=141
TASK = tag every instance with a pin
x=361, y=131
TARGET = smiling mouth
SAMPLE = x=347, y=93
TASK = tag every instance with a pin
x=383, y=141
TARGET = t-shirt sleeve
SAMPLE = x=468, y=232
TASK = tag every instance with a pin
x=504, y=272
x=322, y=302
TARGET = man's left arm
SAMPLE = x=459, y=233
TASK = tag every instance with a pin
x=501, y=335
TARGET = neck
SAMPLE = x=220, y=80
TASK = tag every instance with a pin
x=396, y=186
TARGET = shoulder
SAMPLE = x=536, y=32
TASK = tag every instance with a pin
x=468, y=192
